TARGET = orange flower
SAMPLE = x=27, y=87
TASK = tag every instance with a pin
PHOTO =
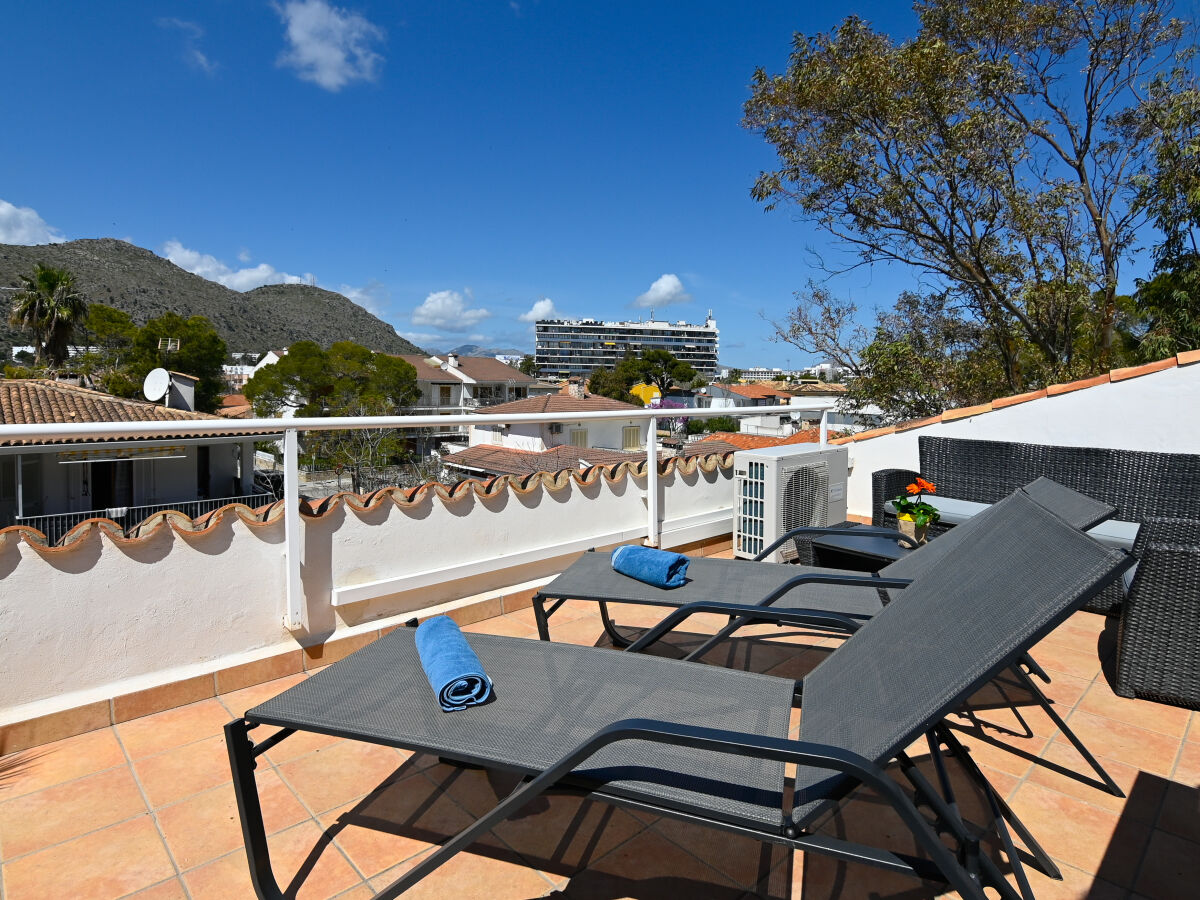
x=926, y=486
x=913, y=489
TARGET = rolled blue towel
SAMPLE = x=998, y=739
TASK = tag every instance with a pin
x=658, y=567
x=454, y=671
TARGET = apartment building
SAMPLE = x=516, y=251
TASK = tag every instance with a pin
x=576, y=347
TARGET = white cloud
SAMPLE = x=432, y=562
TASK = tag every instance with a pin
x=372, y=296
x=542, y=309
x=208, y=266
x=447, y=311
x=22, y=225
x=244, y=255
x=328, y=45
x=421, y=338
x=666, y=290
x=191, y=43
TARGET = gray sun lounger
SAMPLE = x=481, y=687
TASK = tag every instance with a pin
x=758, y=592
x=708, y=744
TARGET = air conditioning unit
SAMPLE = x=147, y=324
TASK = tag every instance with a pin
x=777, y=489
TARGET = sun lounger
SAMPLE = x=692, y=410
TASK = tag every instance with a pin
x=709, y=745
x=758, y=592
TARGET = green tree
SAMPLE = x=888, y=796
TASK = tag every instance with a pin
x=661, y=369
x=616, y=382
x=998, y=152
x=722, y=423
x=528, y=365
x=346, y=380
x=191, y=346
x=734, y=376
x=110, y=330
x=50, y=307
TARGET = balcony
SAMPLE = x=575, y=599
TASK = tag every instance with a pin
x=125, y=657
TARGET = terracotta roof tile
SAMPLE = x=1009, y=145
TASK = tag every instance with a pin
x=918, y=423
x=756, y=391
x=478, y=368
x=965, y=412
x=39, y=401
x=508, y=461
x=741, y=441
x=1134, y=371
x=1054, y=390
x=1013, y=400
x=1188, y=357
x=555, y=403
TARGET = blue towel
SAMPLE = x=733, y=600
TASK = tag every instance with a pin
x=657, y=567
x=454, y=671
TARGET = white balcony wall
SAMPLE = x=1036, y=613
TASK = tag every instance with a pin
x=1154, y=412
x=103, y=618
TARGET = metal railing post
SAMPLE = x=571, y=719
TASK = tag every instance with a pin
x=824, y=428
x=652, y=484
x=294, y=619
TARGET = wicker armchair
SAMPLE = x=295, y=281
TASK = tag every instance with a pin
x=1141, y=485
x=1158, y=653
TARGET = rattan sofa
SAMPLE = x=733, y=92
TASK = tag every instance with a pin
x=1141, y=485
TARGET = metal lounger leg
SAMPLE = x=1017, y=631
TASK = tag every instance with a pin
x=241, y=762
x=610, y=628
x=1109, y=785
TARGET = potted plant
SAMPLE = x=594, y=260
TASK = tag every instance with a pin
x=913, y=513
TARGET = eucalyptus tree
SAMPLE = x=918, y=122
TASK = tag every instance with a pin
x=50, y=306
x=998, y=151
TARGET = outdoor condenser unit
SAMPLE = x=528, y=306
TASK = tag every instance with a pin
x=777, y=489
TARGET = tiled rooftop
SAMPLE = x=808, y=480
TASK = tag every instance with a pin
x=145, y=809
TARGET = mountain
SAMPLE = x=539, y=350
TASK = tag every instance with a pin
x=145, y=285
x=476, y=350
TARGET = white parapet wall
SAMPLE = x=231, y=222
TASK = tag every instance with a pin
x=1156, y=411
x=106, y=616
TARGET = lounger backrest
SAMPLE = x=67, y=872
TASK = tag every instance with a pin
x=1009, y=578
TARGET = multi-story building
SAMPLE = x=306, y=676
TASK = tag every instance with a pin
x=576, y=347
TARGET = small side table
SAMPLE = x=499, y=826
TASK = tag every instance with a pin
x=857, y=553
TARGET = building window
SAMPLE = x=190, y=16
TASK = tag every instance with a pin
x=579, y=437
x=631, y=437
x=497, y=434
x=444, y=394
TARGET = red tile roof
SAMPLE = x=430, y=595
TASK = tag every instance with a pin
x=508, y=461
x=756, y=391
x=558, y=403
x=40, y=401
x=758, y=441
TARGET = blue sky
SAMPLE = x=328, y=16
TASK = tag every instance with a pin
x=457, y=167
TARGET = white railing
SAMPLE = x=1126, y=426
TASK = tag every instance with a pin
x=55, y=525
x=294, y=618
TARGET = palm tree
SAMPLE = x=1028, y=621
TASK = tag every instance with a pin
x=49, y=306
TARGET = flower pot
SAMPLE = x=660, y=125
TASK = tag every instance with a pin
x=910, y=528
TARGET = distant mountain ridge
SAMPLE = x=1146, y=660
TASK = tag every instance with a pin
x=145, y=285
x=476, y=350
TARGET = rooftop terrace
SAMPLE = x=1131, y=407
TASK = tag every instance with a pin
x=123, y=655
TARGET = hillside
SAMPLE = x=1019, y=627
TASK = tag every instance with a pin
x=146, y=285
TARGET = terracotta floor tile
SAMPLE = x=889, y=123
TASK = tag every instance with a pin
x=1060, y=755
x=557, y=834
x=1080, y=834
x=1054, y=658
x=340, y=773
x=1075, y=885
x=40, y=767
x=584, y=631
x=743, y=860
x=105, y=864
x=651, y=867
x=207, y=825
x=65, y=811
x=500, y=625
x=568, y=612
x=302, y=743
x=167, y=890
x=183, y=771
x=303, y=862
x=1064, y=691
x=1187, y=766
x=237, y=702
x=1168, y=720
x=173, y=728
x=1180, y=813
x=394, y=824
x=474, y=875
x=1075, y=635
x=1171, y=869
x=1148, y=750
x=1004, y=753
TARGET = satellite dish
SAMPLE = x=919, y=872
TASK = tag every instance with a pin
x=156, y=384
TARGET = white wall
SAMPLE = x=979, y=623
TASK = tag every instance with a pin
x=537, y=437
x=1157, y=412
x=102, y=617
